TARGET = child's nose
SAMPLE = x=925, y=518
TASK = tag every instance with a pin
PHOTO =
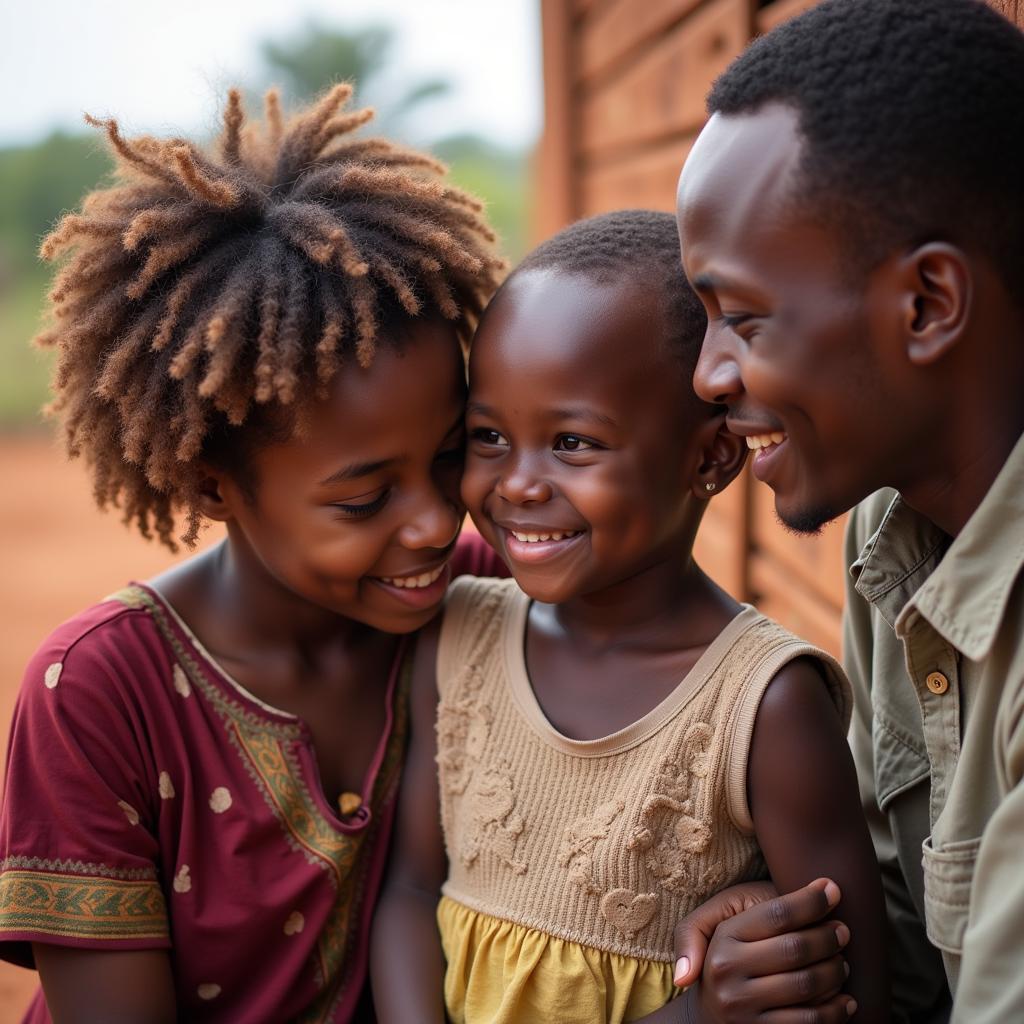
x=522, y=484
x=435, y=524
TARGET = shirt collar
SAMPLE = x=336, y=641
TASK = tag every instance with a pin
x=962, y=590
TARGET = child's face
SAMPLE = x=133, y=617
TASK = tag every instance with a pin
x=581, y=430
x=358, y=515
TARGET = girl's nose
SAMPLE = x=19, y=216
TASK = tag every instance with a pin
x=717, y=377
x=435, y=524
x=523, y=486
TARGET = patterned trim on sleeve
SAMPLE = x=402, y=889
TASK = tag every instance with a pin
x=81, y=906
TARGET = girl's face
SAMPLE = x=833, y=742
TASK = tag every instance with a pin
x=359, y=513
x=583, y=434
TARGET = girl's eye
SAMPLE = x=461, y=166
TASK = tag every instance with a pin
x=484, y=435
x=347, y=510
x=573, y=443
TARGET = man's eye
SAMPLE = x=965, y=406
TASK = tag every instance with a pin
x=573, y=443
x=484, y=435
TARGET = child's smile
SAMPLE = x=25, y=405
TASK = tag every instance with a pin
x=581, y=438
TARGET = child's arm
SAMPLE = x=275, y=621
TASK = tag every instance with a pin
x=803, y=796
x=406, y=962
x=88, y=986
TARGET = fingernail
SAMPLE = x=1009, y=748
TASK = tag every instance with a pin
x=832, y=893
x=851, y=1007
x=842, y=934
x=682, y=969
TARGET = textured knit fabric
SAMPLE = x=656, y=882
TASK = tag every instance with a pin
x=151, y=802
x=601, y=843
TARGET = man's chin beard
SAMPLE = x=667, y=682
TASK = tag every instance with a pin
x=807, y=521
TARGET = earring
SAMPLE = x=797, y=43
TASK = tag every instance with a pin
x=710, y=485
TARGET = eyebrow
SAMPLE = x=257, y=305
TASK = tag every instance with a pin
x=357, y=470
x=563, y=412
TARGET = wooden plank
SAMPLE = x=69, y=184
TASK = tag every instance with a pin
x=647, y=180
x=782, y=10
x=1012, y=9
x=783, y=596
x=817, y=561
x=616, y=30
x=662, y=94
x=555, y=203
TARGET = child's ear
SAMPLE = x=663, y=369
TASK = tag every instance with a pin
x=722, y=457
x=212, y=501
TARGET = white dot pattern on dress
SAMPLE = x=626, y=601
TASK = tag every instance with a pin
x=183, y=880
x=208, y=990
x=165, y=787
x=52, y=674
x=181, y=683
x=295, y=923
x=129, y=812
x=220, y=800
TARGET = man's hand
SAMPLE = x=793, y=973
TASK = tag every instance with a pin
x=763, y=957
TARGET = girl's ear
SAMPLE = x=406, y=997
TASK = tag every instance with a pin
x=212, y=502
x=722, y=455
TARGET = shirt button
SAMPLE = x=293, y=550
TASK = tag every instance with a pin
x=937, y=683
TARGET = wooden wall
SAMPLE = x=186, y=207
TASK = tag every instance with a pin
x=625, y=82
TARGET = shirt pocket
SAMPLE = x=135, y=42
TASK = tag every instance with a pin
x=948, y=877
x=899, y=763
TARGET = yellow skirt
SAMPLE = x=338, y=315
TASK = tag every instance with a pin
x=504, y=973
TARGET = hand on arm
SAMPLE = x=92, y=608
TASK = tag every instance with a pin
x=87, y=986
x=406, y=962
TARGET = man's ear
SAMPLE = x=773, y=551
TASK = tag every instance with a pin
x=722, y=455
x=212, y=501
x=937, y=289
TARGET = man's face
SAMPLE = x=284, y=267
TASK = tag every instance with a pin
x=798, y=345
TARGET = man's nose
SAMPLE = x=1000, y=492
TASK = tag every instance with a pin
x=717, y=377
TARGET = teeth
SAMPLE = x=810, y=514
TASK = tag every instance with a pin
x=755, y=441
x=533, y=538
x=414, y=582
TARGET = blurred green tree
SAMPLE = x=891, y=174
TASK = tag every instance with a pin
x=318, y=56
x=40, y=182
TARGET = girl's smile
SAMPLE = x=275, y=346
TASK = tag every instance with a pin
x=583, y=434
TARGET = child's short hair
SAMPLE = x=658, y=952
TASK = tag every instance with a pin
x=204, y=288
x=634, y=245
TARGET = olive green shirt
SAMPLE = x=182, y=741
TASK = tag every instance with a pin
x=934, y=644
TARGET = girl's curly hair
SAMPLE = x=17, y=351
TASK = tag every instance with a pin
x=203, y=288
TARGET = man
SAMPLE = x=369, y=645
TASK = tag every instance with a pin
x=852, y=217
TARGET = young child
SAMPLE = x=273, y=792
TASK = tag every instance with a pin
x=618, y=739
x=202, y=770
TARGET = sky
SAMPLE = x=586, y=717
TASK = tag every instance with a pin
x=164, y=65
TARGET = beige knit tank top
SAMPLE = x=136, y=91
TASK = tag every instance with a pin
x=605, y=842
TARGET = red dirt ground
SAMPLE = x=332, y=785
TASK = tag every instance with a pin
x=58, y=554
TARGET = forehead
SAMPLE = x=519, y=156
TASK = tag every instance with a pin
x=736, y=188
x=548, y=320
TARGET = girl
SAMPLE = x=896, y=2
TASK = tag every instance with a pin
x=618, y=739
x=202, y=769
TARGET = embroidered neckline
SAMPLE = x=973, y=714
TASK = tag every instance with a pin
x=514, y=641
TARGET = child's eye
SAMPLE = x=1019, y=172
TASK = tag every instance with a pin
x=573, y=443
x=361, y=510
x=484, y=435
